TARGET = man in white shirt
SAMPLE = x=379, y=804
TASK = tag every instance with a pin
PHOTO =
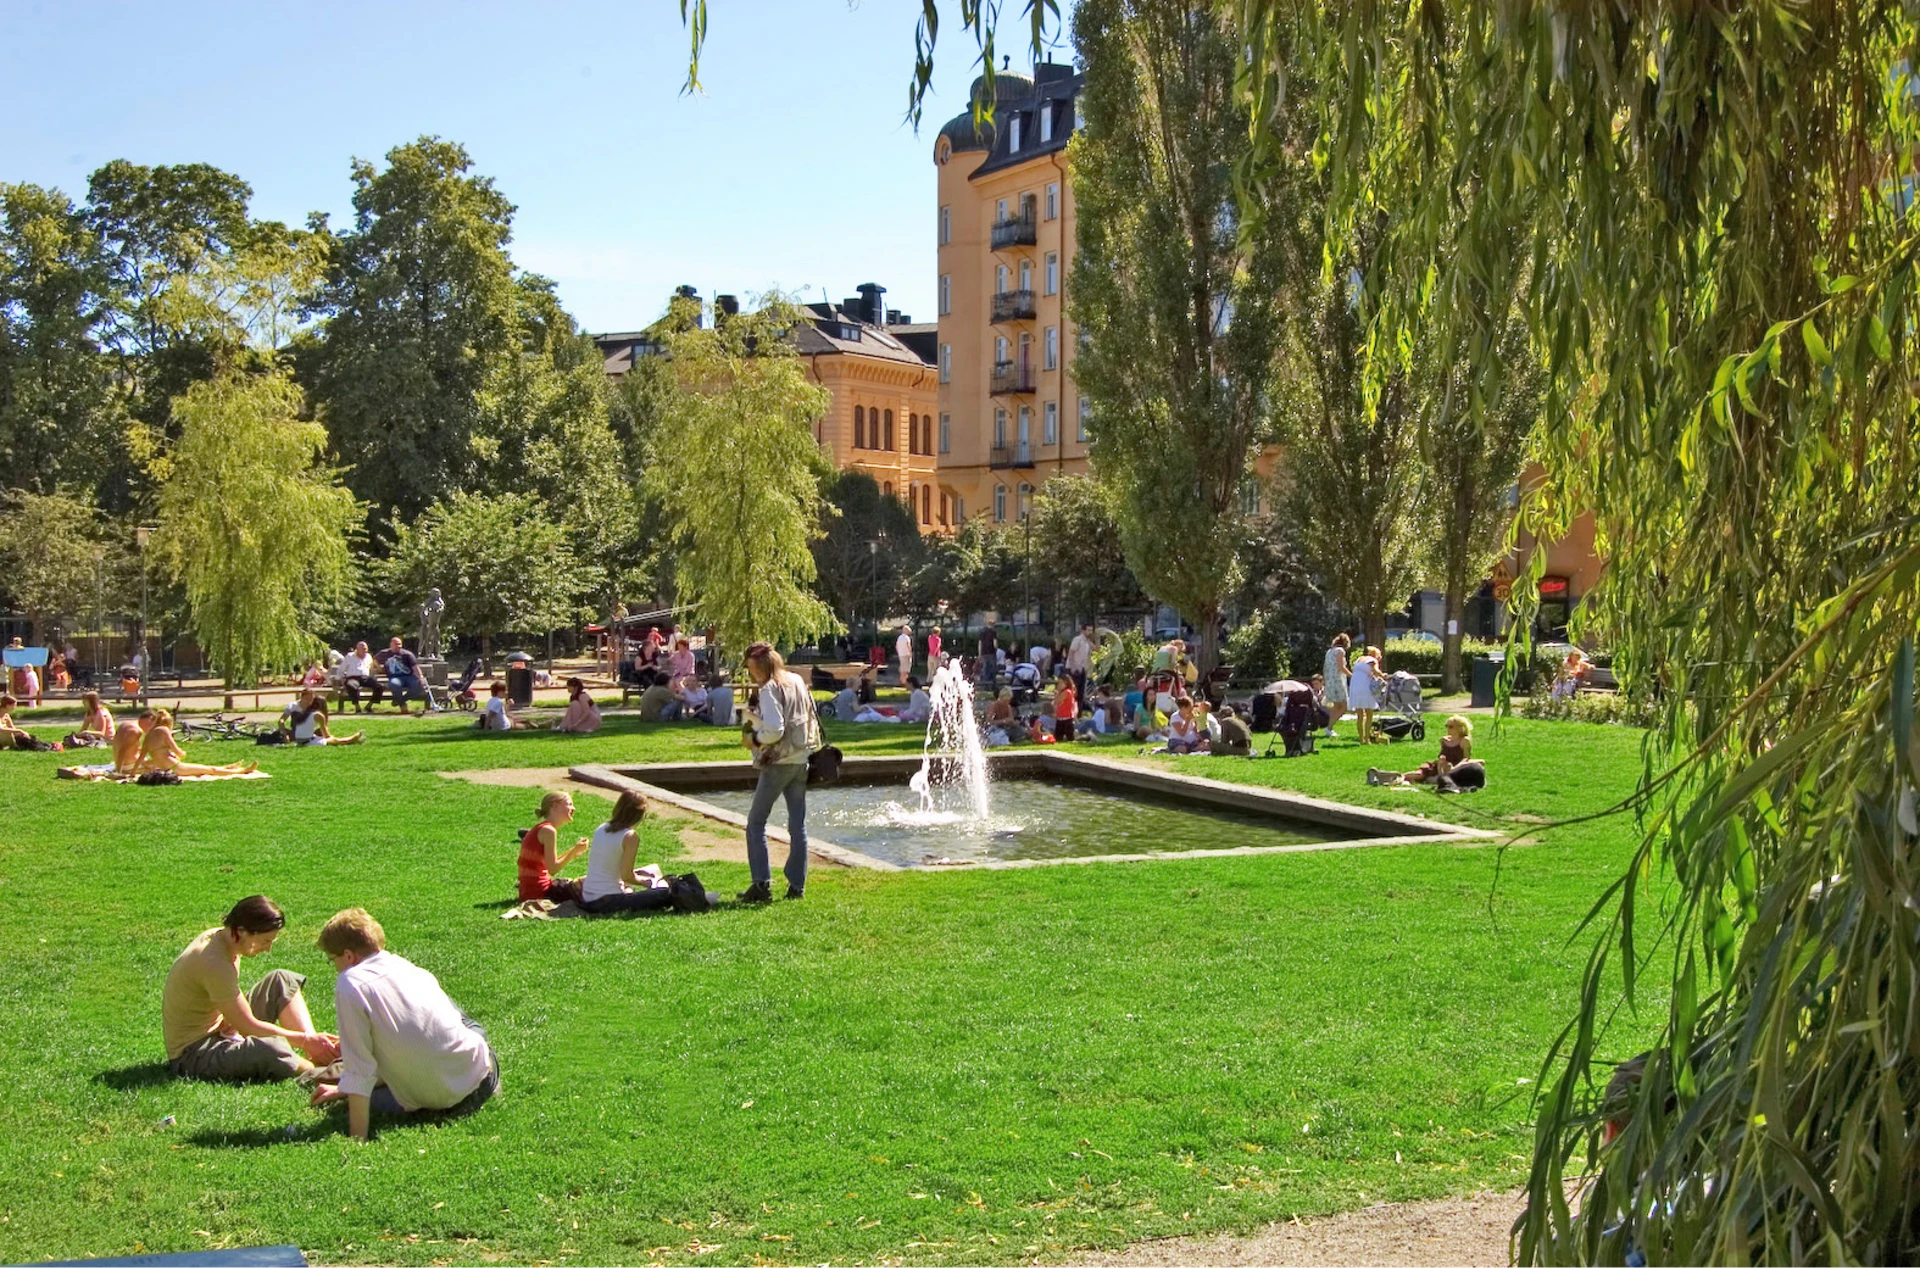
x=355, y=674
x=1080, y=659
x=404, y=1046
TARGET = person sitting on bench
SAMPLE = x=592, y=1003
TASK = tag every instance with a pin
x=404, y=679
x=404, y=1046
x=212, y=1032
x=355, y=674
x=160, y=752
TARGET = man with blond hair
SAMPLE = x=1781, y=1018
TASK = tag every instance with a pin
x=404, y=1046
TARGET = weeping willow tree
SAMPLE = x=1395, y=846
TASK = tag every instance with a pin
x=740, y=481
x=1712, y=203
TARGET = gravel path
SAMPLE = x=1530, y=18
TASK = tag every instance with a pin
x=1461, y=1232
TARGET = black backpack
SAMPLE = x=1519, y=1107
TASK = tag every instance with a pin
x=687, y=894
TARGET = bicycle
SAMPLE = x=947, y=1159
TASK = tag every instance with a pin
x=217, y=727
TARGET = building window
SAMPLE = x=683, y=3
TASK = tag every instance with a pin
x=859, y=426
x=943, y=509
x=888, y=445
x=1053, y=200
x=999, y=210
x=1053, y=273
x=959, y=511
x=1026, y=276
x=946, y=362
x=946, y=294
x=1013, y=132
x=1249, y=496
x=886, y=489
x=999, y=427
x=1046, y=121
x=999, y=502
x=1050, y=428
x=1080, y=421
x=999, y=280
x=913, y=433
x=926, y=505
x=1024, y=439
x=946, y=433
x=1026, y=501
x=999, y=349
x=946, y=223
x=1053, y=349
x=1026, y=351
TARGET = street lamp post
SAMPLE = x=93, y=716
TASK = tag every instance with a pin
x=140, y=537
x=873, y=587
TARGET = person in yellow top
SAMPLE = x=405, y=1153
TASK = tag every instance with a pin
x=215, y=1033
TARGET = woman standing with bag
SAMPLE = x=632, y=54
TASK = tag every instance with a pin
x=782, y=729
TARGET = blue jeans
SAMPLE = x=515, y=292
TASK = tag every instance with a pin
x=383, y=1102
x=789, y=780
x=409, y=684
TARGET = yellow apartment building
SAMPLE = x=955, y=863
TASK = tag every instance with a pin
x=1009, y=415
x=878, y=365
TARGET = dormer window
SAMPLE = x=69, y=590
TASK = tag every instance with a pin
x=1046, y=121
x=1013, y=135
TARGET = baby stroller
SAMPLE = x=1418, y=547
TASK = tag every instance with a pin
x=1300, y=717
x=1025, y=679
x=461, y=688
x=1403, y=710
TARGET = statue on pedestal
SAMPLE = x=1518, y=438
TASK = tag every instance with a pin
x=430, y=625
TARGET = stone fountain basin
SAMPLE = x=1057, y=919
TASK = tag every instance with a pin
x=1350, y=827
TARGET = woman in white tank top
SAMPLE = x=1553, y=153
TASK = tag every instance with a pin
x=609, y=886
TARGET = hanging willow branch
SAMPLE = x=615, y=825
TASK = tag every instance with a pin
x=1710, y=205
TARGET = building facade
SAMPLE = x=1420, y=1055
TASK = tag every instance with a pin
x=1009, y=416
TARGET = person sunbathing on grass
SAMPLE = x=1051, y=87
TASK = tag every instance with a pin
x=214, y=1032
x=159, y=751
x=97, y=725
x=404, y=1046
x=12, y=737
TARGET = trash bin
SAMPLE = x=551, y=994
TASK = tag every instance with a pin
x=519, y=679
x=1486, y=678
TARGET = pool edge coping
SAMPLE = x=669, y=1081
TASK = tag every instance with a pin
x=1394, y=828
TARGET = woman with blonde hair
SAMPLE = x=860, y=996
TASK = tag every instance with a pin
x=539, y=864
x=1363, y=692
x=96, y=727
x=159, y=751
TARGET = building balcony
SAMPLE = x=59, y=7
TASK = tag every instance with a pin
x=1018, y=457
x=1012, y=377
x=1015, y=232
x=1009, y=307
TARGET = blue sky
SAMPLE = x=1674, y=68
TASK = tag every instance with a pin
x=794, y=169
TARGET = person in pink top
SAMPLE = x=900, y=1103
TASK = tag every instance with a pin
x=680, y=663
x=933, y=650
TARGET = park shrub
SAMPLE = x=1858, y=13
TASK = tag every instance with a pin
x=1598, y=707
x=1417, y=655
x=1258, y=650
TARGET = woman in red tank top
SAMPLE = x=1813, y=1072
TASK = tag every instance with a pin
x=538, y=859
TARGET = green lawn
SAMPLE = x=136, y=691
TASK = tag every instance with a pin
x=959, y=1067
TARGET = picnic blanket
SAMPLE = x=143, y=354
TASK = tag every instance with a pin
x=544, y=910
x=105, y=771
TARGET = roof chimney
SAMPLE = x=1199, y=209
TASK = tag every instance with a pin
x=727, y=304
x=872, y=310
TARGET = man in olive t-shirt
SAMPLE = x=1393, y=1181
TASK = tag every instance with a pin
x=212, y=1032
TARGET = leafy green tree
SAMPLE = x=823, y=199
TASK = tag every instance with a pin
x=1177, y=297
x=252, y=524
x=1473, y=449
x=1351, y=487
x=503, y=564
x=741, y=481
x=57, y=554
x=862, y=583
x=977, y=569
x=1076, y=558
x=61, y=416
x=420, y=304
x=1715, y=207
x=544, y=426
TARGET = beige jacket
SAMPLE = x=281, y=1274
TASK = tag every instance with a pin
x=798, y=726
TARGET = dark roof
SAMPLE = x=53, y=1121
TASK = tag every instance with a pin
x=921, y=338
x=1053, y=87
x=835, y=332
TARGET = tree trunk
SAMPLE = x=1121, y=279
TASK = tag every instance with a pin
x=486, y=654
x=1206, y=645
x=1456, y=622
x=1375, y=619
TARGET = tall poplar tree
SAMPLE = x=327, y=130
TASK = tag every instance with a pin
x=1176, y=296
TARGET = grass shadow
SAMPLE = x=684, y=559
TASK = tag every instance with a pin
x=509, y=902
x=138, y=1076
x=313, y=1132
